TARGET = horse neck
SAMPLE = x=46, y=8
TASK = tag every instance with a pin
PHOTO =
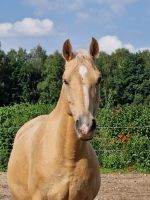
x=69, y=144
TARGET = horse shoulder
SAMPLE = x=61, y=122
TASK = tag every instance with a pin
x=30, y=126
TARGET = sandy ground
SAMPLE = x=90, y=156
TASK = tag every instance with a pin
x=113, y=187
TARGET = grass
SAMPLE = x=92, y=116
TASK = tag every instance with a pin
x=122, y=171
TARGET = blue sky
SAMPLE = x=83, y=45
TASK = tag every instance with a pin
x=115, y=24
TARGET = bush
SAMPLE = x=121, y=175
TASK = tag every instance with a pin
x=11, y=119
x=122, y=139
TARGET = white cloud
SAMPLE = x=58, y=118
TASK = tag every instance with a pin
x=143, y=49
x=116, y=6
x=42, y=6
x=28, y=27
x=113, y=6
x=111, y=43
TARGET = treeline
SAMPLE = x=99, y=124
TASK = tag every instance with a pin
x=37, y=77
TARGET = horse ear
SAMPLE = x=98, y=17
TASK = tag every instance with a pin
x=67, y=50
x=94, y=48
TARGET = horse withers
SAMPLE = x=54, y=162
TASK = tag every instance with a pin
x=52, y=158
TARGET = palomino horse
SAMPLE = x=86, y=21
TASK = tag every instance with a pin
x=52, y=158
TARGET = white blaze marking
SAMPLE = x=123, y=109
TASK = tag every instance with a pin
x=86, y=96
x=83, y=72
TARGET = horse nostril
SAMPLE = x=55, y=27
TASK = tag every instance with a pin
x=77, y=123
x=93, y=127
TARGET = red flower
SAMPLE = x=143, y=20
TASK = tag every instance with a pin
x=128, y=135
x=120, y=140
x=120, y=135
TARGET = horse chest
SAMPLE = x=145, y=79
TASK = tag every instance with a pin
x=71, y=186
x=81, y=184
x=59, y=188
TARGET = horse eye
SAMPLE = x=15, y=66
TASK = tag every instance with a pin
x=66, y=82
x=98, y=81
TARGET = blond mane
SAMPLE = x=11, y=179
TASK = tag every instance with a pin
x=83, y=55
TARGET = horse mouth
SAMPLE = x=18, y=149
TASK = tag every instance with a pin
x=86, y=139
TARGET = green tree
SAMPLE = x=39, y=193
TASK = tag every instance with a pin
x=24, y=77
x=49, y=88
x=104, y=65
x=4, y=79
x=38, y=57
x=125, y=77
x=131, y=80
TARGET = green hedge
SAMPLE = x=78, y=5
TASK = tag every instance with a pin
x=122, y=139
x=11, y=119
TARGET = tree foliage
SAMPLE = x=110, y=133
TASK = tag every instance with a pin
x=49, y=88
x=36, y=77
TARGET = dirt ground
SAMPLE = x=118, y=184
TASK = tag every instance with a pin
x=113, y=187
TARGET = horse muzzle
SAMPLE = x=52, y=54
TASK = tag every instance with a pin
x=85, y=127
